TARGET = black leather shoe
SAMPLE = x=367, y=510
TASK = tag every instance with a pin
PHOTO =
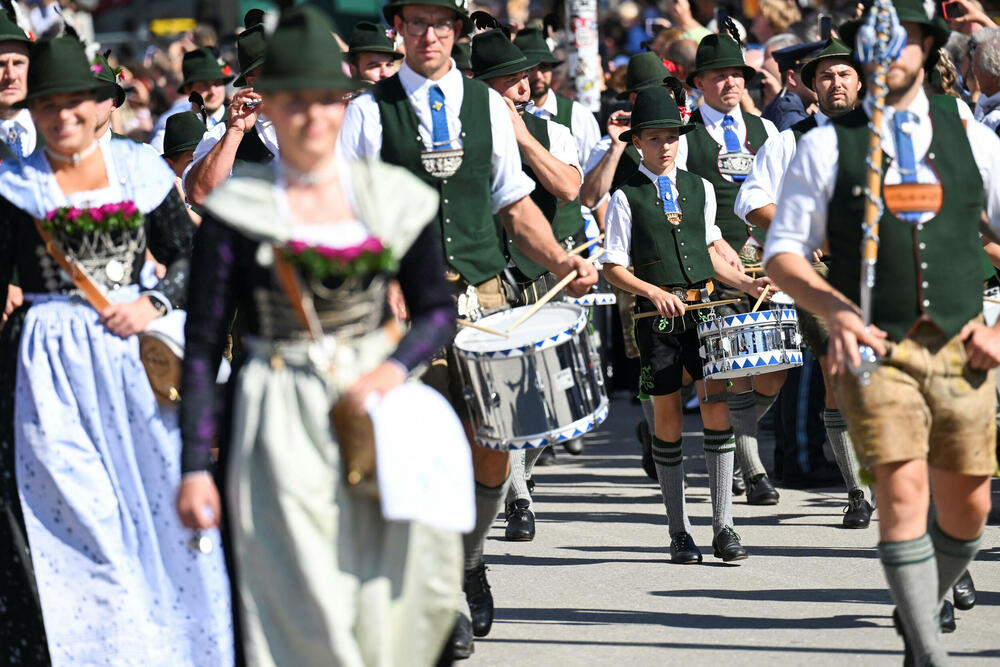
x=858, y=513
x=947, y=617
x=965, y=592
x=726, y=546
x=477, y=592
x=760, y=491
x=909, y=659
x=739, y=486
x=546, y=458
x=574, y=446
x=683, y=549
x=520, y=521
x=461, y=645
x=646, y=440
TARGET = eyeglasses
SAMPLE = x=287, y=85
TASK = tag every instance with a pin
x=419, y=28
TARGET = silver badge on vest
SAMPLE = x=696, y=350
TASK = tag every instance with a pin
x=442, y=164
x=735, y=164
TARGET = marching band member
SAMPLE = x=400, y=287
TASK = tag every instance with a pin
x=549, y=155
x=372, y=56
x=206, y=74
x=836, y=79
x=90, y=460
x=929, y=404
x=478, y=174
x=674, y=266
x=304, y=248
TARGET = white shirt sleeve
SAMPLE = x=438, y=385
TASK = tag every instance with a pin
x=563, y=146
x=761, y=185
x=204, y=147
x=586, y=131
x=361, y=132
x=986, y=150
x=769, y=127
x=681, y=160
x=508, y=182
x=618, y=231
x=712, y=231
x=597, y=153
x=799, y=224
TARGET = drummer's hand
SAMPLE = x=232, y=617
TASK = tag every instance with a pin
x=241, y=118
x=586, y=275
x=817, y=256
x=128, y=319
x=198, y=504
x=982, y=345
x=847, y=332
x=730, y=256
x=387, y=376
x=15, y=297
x=667, y=305
x=756, y=286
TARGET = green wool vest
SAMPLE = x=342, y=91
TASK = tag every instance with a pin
x=465, y=217
x=930, y=268
x=627, y=166
x=703, y=160
x=546, y=201
x=803, y=126
x=568, y=219
x=252, y=149
x=564, y=112
x=662, y=253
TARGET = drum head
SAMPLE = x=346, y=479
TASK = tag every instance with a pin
x=551, y=324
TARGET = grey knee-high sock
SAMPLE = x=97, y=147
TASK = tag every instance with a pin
x=911, y=571
x=669, y=461
x=843, y=448
x=953, y=557
x=743, y=417
x=647, y=412
x=763, y=403
x=522, y=461
x=489, y=501
x=530, y=456
x=719, y=448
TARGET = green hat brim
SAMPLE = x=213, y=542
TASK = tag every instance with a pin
x=396, y=55
x=241, y=80
x=748, y=71
x=809, y=69
x=682, y=128
x=648, y=83
x=112, y=90
x=393, y=8
x=330, y=80
x=204, y=76
x=545, y=58
x=187, y=146
x=59, y=89
x=506, y=69
x=939, y=29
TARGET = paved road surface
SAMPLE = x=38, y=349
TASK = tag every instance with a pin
x=596, y=586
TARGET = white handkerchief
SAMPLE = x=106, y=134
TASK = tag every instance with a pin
x=423, y=458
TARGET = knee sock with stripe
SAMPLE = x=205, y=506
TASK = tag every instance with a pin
x=843, y=448
x=952, y=555
x=912, y=574
x=669, y=460
x=719, y=448
x=489, y=502
x=743, y=417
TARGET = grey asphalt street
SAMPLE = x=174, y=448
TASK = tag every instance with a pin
x=596, y=586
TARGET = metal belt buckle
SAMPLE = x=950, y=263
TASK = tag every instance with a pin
x=442, y=164
x=735, y=164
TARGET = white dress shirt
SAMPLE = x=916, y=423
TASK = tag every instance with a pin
x=25, y=126
x=618, y=223
x=182, y=104
x=265, y=130
x=799, y=224
x=764, y=180
x=712, y=120
x=582, y=123
x=361, y=133
x=563, y=146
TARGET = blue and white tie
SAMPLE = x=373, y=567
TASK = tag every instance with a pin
x=666, y=195
x=439, y=119
x=903, y=123
x=13, y=140
x=732, y=141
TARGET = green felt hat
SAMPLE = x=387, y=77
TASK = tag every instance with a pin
x=108, y=76
x=183, y=133
x=203, y=65
x=654, y=107
x=10, y=31
x=461, y=53
x=718, y=52
x=302, y=54
x=251, y=45
x=60, y=65
x=493, y=55
x=913, y=11
x=370, y=37
x=834, y=50
x=644, y=70
x=460, y=7
x=532, y=43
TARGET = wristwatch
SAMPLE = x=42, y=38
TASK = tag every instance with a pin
x=158, y=302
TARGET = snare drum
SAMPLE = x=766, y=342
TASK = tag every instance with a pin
x=750, y=343
x=543, y=385
x=161, y=349
x=599, y=295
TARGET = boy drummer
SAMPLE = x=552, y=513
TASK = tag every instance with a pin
x=662, y=221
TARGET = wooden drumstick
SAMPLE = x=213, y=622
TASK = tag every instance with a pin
x=760, y=299
x=570, y=277
x=577, y=250
x=473, y=325
x=695, y=306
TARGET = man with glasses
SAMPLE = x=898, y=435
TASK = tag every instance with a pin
x=456, y=135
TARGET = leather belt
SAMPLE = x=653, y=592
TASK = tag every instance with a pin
x=692, y=295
